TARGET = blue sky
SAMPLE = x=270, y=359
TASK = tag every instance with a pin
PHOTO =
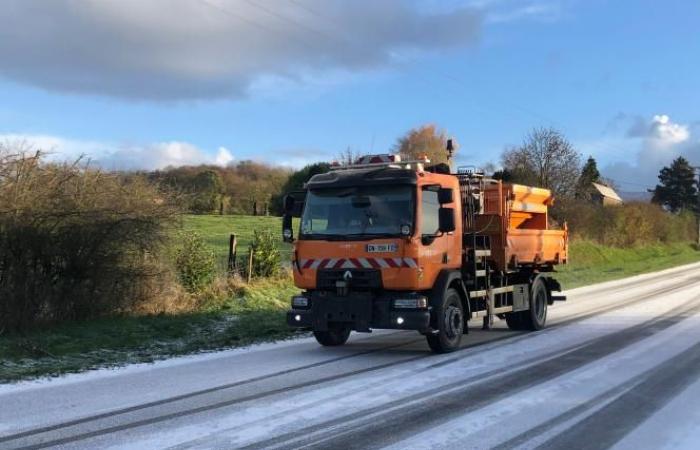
x=293, y=81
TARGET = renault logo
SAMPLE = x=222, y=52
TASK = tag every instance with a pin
x=347, y=276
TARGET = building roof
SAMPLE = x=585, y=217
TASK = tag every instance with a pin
x=606, y=191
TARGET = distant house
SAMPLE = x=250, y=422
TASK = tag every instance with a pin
x=604, y=195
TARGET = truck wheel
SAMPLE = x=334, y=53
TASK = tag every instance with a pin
x=535, y=318
x=448, y=319
x=335, y=336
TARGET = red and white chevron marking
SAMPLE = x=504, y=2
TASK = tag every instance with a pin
x=357, y=263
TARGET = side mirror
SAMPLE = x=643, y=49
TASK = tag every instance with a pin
x=293, y=203
x=446, y=218
x=289, y=204
x=287, y=231
x=445, y=196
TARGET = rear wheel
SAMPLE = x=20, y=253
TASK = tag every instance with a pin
x=534, y=318
x=448, y=319
x=335, y=336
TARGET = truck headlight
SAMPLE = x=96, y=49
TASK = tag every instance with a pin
x=411, y=303
x=300, y=302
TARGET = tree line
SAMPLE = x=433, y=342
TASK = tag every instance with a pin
x=545, y=158
x=247, y=187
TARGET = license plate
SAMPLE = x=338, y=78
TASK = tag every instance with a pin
x=381, y=248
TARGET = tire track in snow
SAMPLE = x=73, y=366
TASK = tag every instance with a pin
x=399, y=420
x=633, y=386
x=197, y=393
x=396, y=378
x=521, y=335
x=661, y=385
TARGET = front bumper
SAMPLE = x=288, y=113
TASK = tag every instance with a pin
x=360, y=311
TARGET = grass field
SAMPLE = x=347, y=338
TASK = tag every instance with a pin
x=594, y=263
x=251, y=313
x=216, y=231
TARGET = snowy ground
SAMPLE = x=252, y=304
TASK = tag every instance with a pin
x=618, y=366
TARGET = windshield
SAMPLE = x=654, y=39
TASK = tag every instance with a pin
x=357, y=211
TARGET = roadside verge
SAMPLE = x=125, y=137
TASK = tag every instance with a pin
x=257, y=315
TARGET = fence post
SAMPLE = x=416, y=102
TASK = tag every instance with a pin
x=250, y=264
x=232, y=254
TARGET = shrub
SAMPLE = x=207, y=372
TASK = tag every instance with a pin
x=628, y=225
x=195, y=262
x=75, y=242
x=683, y=228
x=266, y=255
x=236, y=296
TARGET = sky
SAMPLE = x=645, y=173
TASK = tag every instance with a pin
x=144, y=85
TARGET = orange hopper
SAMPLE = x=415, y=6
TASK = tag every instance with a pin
x=515, y=218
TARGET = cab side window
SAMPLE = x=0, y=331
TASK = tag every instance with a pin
x=429, y=212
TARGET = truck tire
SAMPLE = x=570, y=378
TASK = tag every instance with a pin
x=448, y=320
x=334, y=337
x=534, y=319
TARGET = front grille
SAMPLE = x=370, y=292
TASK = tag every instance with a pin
x=362, y=279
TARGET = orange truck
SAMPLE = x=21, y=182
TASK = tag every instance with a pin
x=391, y=244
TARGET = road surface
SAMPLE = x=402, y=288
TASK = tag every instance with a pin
x=618, y=366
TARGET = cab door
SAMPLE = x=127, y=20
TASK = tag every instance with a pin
x=438, y=250
x=433, y=244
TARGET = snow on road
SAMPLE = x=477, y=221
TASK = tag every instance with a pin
x=617, y=366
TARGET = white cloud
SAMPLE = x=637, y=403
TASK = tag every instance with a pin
x=664, y=133
x=153, y=156
x=657, y=141
x=111, y=156
x=187, y=49
x=56, y=148
x=223, y=157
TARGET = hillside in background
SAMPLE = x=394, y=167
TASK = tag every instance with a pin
x=638, y=196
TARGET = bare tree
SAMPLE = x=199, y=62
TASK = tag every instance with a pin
x=426, y=139
x=545, y=159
